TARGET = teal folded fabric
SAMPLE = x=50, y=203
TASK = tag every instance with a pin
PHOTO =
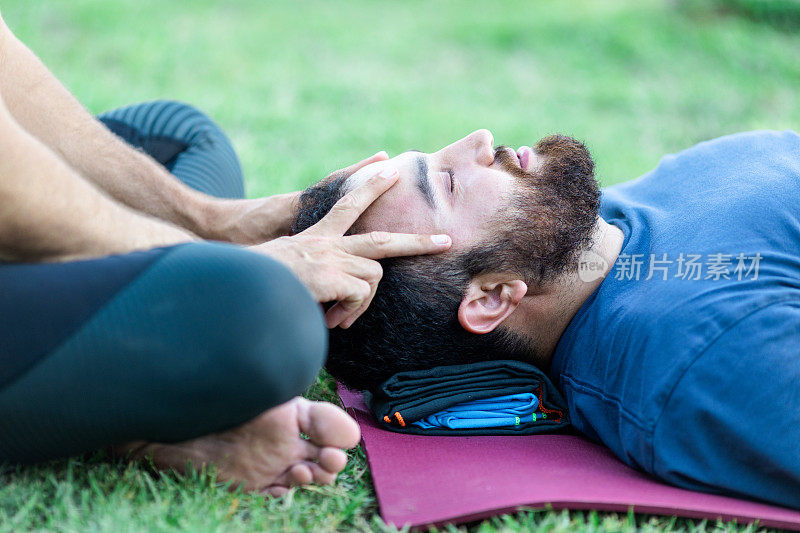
x=426, y=396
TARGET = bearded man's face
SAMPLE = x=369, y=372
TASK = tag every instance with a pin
x=527, y=213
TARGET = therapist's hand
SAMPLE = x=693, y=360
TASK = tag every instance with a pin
x=344, y=269
x=257, y=220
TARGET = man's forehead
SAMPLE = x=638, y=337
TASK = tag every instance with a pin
x=401, y=162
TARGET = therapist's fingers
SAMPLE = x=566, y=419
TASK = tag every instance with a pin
x=380, y=156
x=344, y=316
x=354, y=292
x=337, y=314
x=377, y=245
x=352, y=317
x=381, y=244
x=346, y=211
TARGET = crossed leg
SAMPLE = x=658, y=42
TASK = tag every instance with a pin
x=193, y=353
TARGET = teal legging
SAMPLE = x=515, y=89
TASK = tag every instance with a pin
x=165, y=344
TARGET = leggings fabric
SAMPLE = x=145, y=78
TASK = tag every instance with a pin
x=165, y=344
x=185, y=141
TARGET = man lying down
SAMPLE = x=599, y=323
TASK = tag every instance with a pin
x=666, y=309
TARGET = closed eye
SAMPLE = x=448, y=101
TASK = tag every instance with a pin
x=445, y=177
x=451, y=179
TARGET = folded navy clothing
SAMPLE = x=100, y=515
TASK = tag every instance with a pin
x=408, y=397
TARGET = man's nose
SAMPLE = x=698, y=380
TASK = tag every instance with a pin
x=482, y=143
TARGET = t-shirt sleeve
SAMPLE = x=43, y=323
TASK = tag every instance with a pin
x=732, y=423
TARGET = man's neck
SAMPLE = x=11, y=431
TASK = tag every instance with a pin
x=545, y=312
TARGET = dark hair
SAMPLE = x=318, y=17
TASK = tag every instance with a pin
x=412, y=323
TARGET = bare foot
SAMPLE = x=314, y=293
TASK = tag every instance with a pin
x=267, y=453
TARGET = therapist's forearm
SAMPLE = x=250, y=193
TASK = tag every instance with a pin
x=44, y=107
x=49, y=213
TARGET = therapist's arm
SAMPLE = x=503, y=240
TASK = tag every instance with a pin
x=44, y=107
x=48, y=212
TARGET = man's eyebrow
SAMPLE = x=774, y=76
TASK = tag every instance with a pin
x=423, y=183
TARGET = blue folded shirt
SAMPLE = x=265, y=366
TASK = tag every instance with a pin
x=501, y=411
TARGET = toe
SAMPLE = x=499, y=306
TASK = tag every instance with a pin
x=321, y=475
x=332, y=459
x=300, y=474
x=276, y=490
x=327, y=425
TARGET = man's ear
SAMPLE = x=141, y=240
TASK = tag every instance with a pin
x=487, y=302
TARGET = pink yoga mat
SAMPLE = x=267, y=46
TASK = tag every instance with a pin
x=422, y=480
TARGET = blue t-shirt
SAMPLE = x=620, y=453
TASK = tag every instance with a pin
x=693, y=374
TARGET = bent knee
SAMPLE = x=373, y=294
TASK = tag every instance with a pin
x=259, y=334
x=281, y=341
x=196, y=125
x=180, y=108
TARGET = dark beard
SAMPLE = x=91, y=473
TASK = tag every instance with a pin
x=550, y=217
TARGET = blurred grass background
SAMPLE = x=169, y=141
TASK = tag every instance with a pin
x=307, y=87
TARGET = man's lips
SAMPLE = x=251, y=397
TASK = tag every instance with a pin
x=524, y=155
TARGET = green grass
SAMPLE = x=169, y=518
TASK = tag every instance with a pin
x=304, y=88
